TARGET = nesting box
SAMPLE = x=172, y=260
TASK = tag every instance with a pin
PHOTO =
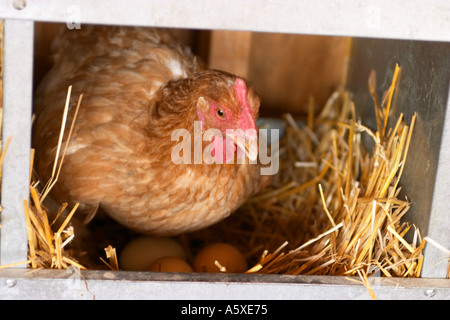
x=380, y=39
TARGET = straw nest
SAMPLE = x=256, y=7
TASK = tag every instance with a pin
x=334, y=206
x=333, y=209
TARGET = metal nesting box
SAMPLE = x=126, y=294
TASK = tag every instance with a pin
x=424, y=88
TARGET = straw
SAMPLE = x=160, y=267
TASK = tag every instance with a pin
x=333, y=203
x=46, y=247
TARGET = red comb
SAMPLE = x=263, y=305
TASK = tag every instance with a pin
x=241, y=92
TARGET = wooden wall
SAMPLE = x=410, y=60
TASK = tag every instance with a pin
x=285, y=69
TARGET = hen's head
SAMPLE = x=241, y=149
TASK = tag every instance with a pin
x=229, y=106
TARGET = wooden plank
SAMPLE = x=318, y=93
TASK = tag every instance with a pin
x=288, y=69
x=230, y=51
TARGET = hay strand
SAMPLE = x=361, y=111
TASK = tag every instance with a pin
x=111, y=255
x=46, y=248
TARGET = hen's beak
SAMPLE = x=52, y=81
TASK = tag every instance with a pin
x=246, y=137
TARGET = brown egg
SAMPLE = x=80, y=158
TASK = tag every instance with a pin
x=140, y=253
x=230, y=259
x=170, y=264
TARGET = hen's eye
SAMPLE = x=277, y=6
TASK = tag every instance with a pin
x=220, y=113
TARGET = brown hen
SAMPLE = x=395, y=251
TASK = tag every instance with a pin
x=140, y=86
